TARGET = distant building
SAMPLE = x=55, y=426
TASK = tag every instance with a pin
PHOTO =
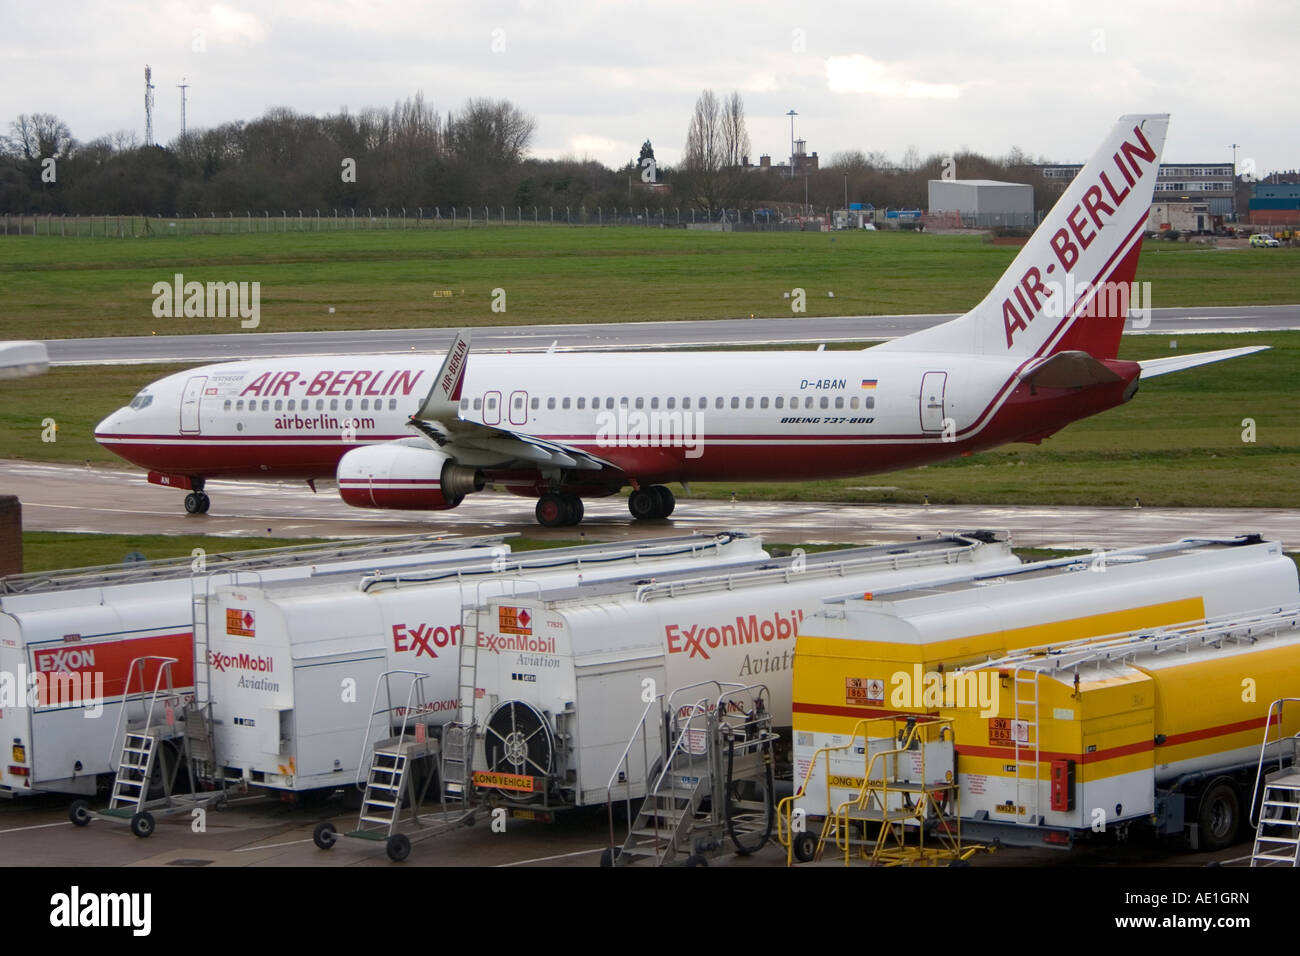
x=801, y=162
x=984, y=203
x=1180, y=217
x=1275, y=203
x=1213, y=184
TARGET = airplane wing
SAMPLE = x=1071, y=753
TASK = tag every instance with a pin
x=480, y=445
x=1163, y=366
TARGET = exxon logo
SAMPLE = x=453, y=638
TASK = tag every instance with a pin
x=244, y=662
x=64, y=660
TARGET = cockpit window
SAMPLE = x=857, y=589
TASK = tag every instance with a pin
x=143, y=400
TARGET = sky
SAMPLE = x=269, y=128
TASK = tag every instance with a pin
x=600, y=77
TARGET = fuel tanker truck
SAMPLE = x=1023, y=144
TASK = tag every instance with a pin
x=1074, y=699
x=67, y=639
x=296, y=667
x=555, y=684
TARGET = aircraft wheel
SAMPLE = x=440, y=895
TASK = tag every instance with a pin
x=193, y=504
x=644, y=504
x=666, y=500
x=575, y=509
x=204, y=503
x=552, y=511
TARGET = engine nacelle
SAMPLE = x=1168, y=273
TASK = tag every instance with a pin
x=412, y=477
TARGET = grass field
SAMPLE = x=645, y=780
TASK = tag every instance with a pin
x=53, y=287
x=1178, y=443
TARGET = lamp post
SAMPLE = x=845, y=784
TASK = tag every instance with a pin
x=792, y=114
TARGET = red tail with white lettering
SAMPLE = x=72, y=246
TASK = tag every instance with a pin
x=1071, y=285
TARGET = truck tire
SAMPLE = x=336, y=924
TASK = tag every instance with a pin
x=1218, y=815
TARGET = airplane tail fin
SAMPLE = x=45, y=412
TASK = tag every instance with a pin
x=1069, y=288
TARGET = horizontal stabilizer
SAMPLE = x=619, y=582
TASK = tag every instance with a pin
x=1068, y=370
x=1163, y=366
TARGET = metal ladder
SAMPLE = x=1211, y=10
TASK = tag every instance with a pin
x=714, y=752
x=388, y=779
x=1026, y=720
x=458, y=735
x=200, y=735
x=139, y=747
x=1277, y=833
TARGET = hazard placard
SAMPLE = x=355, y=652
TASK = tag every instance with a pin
x=864, y=691
x=505, y=781
x=239, y=622
x=1000, y=730
x=514, y=620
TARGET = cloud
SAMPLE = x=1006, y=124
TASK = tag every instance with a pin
x=859, y=74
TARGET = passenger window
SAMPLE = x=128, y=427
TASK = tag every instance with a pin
x=762, y=402
x=292, y=406
x=266, y=404
x=550, y=404
x=536, y=403
x=808, y=402
x=347, y=405
x=609, y=402
x=640, y=402
x=365, y=404
x=492, y=403
x=839, y=401
x=226, y=407
x=749, y=402
x=478, y=404
x=686, y=403
x=654, y=402
x=582, y=402
x=464, y=404
x=853, y=402
x=239, y=407
x=780, y=402
x=735, y=402
x=704, y=403
x=278, y=404
x=869, y=402
x=717, y=402
x=825, y=402
x=334, y=404
x=671, y=403
x=320, y=404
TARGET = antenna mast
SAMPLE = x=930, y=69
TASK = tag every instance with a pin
x=183, y=87
x=148, y=105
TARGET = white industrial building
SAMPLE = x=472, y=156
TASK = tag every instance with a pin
x=986, y=201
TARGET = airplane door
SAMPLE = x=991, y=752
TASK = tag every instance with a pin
x=190, y=404
x=492, y=408
x=932, y=386
x=518, y=408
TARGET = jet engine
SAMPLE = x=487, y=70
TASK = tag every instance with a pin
x=411, y=477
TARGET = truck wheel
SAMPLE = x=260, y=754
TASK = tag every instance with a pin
x=323, y=836
x=1218, y=814
x=142, y=824
x=79, y=812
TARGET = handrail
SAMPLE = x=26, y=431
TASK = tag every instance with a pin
x=416, y=682
x=164, y=667
x=784, y=833
x=1259, y=768
x=622, y=763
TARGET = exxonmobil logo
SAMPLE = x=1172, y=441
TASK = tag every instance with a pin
x=423, y=638
x=698, y=639
x=64, y=660
x=499, y=644
x=243, y=662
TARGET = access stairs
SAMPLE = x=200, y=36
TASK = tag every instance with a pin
x=1277, y=832
x=705, y=768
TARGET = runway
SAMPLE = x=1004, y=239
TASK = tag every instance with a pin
x=128, y=350
x=58, y=497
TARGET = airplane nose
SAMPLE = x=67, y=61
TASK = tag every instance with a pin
x=110, y=426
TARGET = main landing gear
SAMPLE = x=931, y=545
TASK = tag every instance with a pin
x=555, y=511
x=654, y=501
x=196, y=502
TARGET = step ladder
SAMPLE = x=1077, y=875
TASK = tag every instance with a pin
x=386, y=787
x=718, y=758
x=1277, y=838
x=200, y=733
x=134, y=768
x=1277, y=832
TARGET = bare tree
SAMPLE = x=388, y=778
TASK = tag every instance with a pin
x=39, y=136
x=490, y=132
x=717, y=145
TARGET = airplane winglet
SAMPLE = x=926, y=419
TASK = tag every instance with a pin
x=1152, y=368
x=450, y=380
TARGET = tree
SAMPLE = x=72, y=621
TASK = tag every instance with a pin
x=647, y=152
x=717, y=143
x=39, y=136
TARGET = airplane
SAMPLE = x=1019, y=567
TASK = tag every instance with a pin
x=1037, y=353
